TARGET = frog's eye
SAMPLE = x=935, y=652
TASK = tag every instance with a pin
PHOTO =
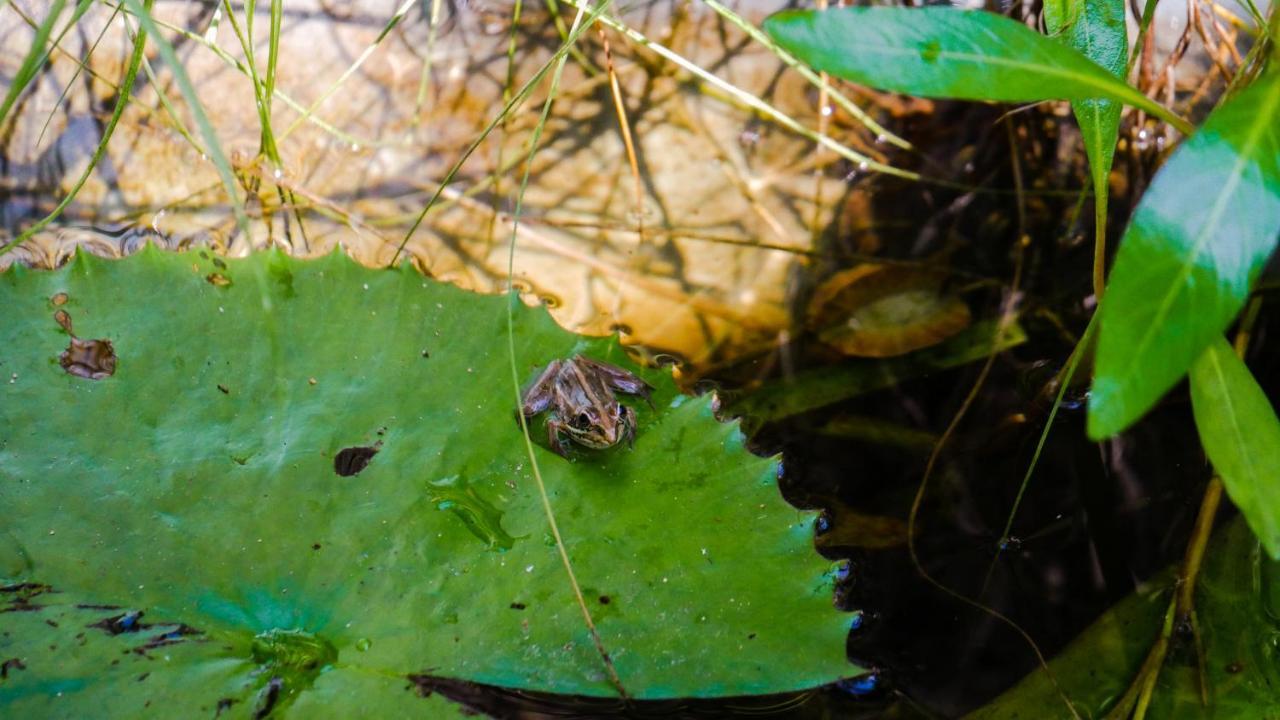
x=582, y=421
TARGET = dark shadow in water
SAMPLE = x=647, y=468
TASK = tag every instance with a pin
x=843, y=701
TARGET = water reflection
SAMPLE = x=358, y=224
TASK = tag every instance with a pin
x=691, y=255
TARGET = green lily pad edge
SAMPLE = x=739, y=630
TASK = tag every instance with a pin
x=193, y=495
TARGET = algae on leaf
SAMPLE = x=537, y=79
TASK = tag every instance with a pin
x=205, y=483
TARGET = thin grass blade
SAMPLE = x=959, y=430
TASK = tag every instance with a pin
x=212, y=147
x=122, y=101
x=34, y=59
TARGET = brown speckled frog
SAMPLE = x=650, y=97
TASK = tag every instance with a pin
x=582, y=396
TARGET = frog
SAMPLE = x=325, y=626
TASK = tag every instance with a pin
x=582, y=395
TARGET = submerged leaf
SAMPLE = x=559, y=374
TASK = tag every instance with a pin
x=950, y=53
x=1241, y=435
x=1201, y=234
x=1236, y=605
x=323, y=448
x=878, y=310
x=812, y=389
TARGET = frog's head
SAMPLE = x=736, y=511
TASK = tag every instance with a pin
x=595, y=429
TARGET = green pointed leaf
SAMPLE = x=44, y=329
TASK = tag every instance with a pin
x=1241, y=436
x=198, y=483
x=945, y=52
x=1236, y=603
x=1097, y=29
x=1201, y=234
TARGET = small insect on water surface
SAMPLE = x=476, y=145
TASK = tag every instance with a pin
x=581, y=394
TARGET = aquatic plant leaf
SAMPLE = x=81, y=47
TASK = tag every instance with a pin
x=1097, y=29
x=949, y=53
x=1236, y=606
x=813, y=389
x=1200, y=236
x=875, y=310
x=63, y=656
x=321, y=447
x=1241, y=436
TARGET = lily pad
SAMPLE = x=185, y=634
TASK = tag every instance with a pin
x=322, y=449
x=63, y=657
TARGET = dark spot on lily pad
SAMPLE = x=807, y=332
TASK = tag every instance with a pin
x=89, y=359
x=59, y=299
x=270, y=697
x=217, y=280
x=224, y=704
x=63, y=318
x=129, y=622
x=224, y=389
x=20, y=595
x=518, y=606
x=168, y=637
x=351, y=461
x=605, y=600
x=219, y=263
x=11, y=664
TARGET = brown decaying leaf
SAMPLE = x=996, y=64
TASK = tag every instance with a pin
x=876, y=310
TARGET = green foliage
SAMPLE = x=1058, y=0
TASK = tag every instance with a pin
x=1097, y=29
x=1236, y=601
x=944, y=52
x=198, y=483
x=1241, y=435
x=1200, y=236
